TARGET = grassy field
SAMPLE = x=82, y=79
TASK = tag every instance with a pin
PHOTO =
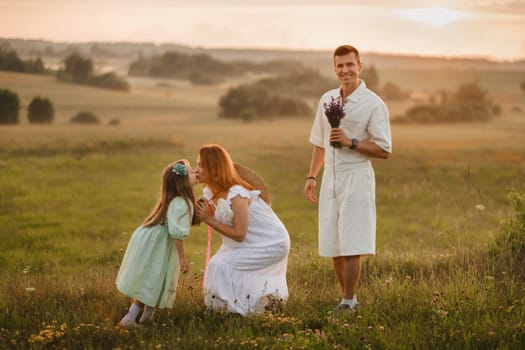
x=70, y=196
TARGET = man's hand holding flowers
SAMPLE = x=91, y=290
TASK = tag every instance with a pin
x=337, y=136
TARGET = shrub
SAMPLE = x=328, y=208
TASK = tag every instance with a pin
x=423, y=113
x=198, y=78
x=306, y=82
x=114, y=121
x=471, y=94
x=249, y=102
x=85, y=118
x=393, y=92
x=109, y=81
x=507, y=251
x=9, y=107
x=469, y=103
x=40, y=110
x=522, y=86
x=496, y=110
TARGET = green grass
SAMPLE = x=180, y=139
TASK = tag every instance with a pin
x=71, y=196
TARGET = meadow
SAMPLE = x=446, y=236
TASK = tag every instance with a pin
x=70, y=196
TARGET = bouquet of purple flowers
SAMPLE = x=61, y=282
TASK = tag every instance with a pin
x=334, y=111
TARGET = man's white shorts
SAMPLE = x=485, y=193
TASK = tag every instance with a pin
x=347, y=211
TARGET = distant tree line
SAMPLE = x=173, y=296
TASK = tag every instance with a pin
x=285, y=95
x=10, y=61
x=79, y=70
x=202, y=69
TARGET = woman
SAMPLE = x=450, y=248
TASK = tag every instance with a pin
x=248, y=272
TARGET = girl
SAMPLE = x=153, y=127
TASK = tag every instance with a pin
x=150, y=269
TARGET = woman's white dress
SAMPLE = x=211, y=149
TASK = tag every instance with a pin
x=243, y=277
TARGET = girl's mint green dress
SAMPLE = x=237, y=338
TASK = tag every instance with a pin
x=150, y=269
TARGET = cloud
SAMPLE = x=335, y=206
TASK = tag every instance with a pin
x=516, y=7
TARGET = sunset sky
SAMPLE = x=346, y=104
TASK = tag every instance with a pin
x=480, y=28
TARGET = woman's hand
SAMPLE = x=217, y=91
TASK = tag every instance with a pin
x=204, y=210
x=239, y=228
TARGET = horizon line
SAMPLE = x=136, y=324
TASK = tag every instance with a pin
x=277, y=48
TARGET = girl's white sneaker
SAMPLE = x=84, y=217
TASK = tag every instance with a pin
x=128, y=322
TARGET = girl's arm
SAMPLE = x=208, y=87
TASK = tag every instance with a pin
x=236, y=232
x=182, y=258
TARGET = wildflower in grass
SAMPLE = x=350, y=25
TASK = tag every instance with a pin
x=30, y=289
x=480, y=207
x=26, y=269
x=286, y=336
x=442, y=313
x=48, y=334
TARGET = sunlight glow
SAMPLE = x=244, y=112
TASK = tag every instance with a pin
x=433, y=16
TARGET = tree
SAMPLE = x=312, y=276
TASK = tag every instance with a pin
x=471, y=93
x=77, y=68
x=10, y=61
x=9, y=107
x=40, y=110
x=371, y=78
x=36, y=66
x=393, y=92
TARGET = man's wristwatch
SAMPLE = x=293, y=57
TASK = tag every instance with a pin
x=354, y=143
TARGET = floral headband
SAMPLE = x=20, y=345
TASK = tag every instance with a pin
x=180, y=169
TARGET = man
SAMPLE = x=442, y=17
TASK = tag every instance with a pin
x=347, y=213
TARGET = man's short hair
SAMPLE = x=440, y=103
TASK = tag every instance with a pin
x=345, y=50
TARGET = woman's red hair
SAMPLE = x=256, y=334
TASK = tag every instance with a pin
x=219, y=169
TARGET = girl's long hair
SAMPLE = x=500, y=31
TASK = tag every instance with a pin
x=219, y=169
x=172, y=186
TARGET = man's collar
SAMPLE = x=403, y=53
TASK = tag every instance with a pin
x=354, y=96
